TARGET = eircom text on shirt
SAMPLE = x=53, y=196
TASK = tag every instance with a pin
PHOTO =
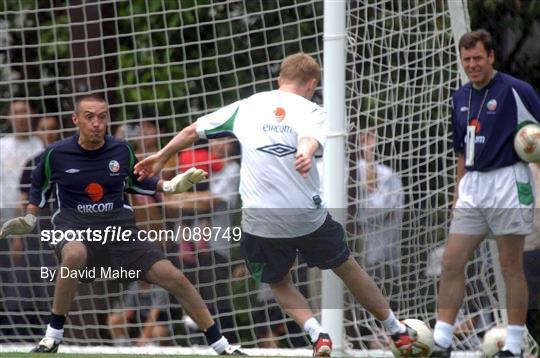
x=118, y=234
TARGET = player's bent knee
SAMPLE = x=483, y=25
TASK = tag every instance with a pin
x=74, y=255
x=172, y=279
x=73, y=261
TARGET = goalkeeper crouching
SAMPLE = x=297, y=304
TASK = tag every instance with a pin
x=89, y=174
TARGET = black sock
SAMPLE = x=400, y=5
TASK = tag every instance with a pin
x=57, y=321
x=212, y=334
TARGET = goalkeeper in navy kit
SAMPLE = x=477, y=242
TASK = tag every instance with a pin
x=89, y=174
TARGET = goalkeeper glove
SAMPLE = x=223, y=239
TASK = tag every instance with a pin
x=18, y=226
x=184, y=181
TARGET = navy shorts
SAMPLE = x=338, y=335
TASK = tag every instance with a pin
x=270, y=259
x=132, y=255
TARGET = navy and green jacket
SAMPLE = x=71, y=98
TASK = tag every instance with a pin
x=89, y=185
x=497, y=110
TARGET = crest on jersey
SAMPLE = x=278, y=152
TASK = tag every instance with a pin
x=279, y=114
x=114, y=166
x=492, y=105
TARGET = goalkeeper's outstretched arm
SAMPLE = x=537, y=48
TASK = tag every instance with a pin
x=38, y=195
x=182, y=182
x=21, y=225
x=153, y=164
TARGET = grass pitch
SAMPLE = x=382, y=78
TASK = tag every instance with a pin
x=73, y=355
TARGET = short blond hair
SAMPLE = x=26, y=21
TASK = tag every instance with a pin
x=300, y=68
x=469, y=40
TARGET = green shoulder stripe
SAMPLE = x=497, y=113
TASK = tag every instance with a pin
x=227, y=126
x=47, y=170
x=132, y=159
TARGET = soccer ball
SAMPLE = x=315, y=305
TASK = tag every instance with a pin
x=493, y=341
x=422, y=347
x=527, y=143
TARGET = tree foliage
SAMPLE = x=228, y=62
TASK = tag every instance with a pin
x=172, y=59
x=515, y=27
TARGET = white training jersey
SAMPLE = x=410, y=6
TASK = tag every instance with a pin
x=276, y=200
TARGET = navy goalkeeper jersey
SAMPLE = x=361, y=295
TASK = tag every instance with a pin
x=89, y=185
x=496, y=110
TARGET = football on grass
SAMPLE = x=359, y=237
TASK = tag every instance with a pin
x=422, y=347
x=493, y=341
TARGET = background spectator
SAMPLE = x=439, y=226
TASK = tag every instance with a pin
x=144, y=317
x=15, y=151
x=379, y=211
x=30, y=293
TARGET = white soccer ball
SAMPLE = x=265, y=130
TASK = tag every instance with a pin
x=527, y=143
x=493, y=341
x=422, y=347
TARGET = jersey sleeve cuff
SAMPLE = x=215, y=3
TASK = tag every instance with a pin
x=200, y=131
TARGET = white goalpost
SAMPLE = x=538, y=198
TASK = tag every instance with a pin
x=334, y=170
x=389, y=70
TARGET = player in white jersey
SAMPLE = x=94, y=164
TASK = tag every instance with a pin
x=283, y=211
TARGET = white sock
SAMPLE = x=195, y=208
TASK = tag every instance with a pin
x=443, y=334
x=56, y=334
x=393, y=325
x=514, y=339
x=121, y=341
x=220, y=345
x=313, y=329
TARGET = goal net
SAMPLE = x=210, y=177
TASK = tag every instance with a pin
x=162, y=64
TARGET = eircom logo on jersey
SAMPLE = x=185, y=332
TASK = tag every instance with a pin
x=95, y=193
x=95, y=208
